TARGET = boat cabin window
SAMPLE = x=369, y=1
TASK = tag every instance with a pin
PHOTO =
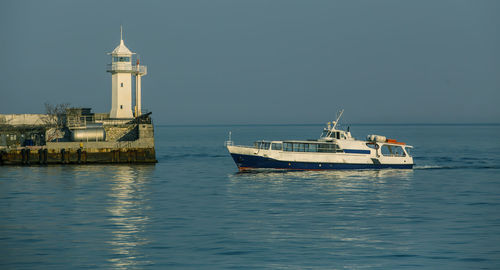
x=333, y=134
x=301, y=147
x=311, y=147
x=328, y=148
x=262, y=145
x=329, y=134
x=276, y=146
x=393, y=151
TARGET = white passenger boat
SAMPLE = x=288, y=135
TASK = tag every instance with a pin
x=335, y=150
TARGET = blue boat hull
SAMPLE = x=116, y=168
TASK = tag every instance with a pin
x=245, y=162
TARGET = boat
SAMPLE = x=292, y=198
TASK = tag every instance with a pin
x=335, y=149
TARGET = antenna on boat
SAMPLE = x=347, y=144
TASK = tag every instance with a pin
x=339, y=114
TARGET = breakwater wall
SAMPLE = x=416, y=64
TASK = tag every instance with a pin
x=131, y=144
x=76, y=155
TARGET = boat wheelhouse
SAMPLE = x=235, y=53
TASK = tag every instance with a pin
x=335, y=149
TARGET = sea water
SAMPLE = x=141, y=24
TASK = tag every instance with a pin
x=194, y=210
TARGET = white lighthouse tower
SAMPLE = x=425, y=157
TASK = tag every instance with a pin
x=121, y=70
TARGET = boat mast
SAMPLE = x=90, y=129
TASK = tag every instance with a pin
x=339, y=114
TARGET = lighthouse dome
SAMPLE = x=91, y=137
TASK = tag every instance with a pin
x=121, y=49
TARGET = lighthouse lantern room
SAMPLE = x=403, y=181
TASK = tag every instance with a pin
x=121, y=70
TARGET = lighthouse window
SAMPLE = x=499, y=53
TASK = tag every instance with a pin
x=121, y=59
x=121, y=84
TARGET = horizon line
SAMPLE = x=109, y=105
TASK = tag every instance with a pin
x=342, y=124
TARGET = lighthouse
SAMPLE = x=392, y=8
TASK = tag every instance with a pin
x=122, y=70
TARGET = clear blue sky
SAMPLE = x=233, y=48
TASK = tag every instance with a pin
x=261, y=61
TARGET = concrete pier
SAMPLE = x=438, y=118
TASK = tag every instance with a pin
x=49, y=156
x=126, y=142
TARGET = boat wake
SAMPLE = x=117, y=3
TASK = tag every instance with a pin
x=431, y=167
x=441, y=167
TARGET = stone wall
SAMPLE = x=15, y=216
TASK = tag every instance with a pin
x=22, y=119
x=146, y=131
x=146, y=143
x=121, y=133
